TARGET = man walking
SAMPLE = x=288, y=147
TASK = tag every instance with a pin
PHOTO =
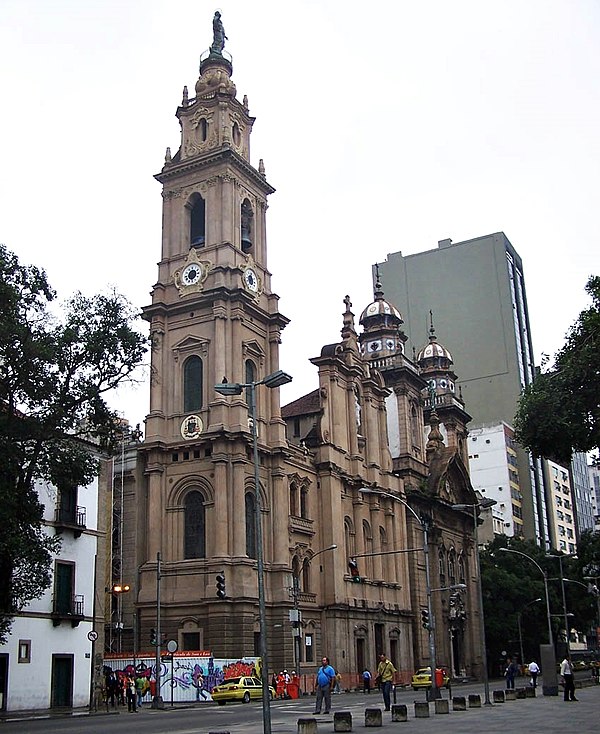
x=324, y=681
x=566, y=671
x=385, y=676
x=534, y=671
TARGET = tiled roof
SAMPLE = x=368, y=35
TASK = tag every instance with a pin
x=305, y=405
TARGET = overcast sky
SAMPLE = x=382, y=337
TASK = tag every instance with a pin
x=383, y=128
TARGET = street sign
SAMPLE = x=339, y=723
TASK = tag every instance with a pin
x=92, y=635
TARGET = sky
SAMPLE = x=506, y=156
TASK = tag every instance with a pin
x=383, y=128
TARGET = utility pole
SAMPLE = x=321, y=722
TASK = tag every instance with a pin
x=157, y=701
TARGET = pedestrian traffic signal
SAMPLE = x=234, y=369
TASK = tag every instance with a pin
x=220, y=581
x=425, y=618
x=153, y=638
x=354, y=572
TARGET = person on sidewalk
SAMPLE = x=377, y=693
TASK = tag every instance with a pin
x=511, y=672
x=385, y=676
x=534, y=671
x=566, y=671
x=366, y=676
x=324, y=682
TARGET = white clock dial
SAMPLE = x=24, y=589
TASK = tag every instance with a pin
x=191, y=274
x=251, y=280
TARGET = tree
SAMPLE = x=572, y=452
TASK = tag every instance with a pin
x=54, y=375
x=560, y=411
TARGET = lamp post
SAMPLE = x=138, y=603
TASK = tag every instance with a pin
x=564, y=598
x=519, y=616
x=296, y=620
x=275, y=379
x=549, y=687
x=484, y=504
x=435, y=691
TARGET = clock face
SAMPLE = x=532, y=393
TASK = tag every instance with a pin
x=251, y=280
x=191, y=274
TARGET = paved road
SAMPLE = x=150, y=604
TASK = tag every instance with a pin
x=540, y=714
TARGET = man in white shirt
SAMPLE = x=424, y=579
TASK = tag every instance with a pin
x=534, y=671
x=566, y=671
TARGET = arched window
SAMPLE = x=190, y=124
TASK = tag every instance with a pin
x=368, y=546
x=192, y=384
x=304, y=502
x=442, y=566
x=250, y=371
x=349, y=539
x=293, y=499
x=197, y=221
x=415, y=428
x=295, y=575
x=195, y=529
x=250, y=525
x=306, y=575
x=452, y=568
x=246, y=226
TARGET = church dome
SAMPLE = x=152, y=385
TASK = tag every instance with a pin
x=380, y=310
x=434, y=350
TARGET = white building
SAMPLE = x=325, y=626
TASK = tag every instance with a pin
x=561, y=508
x=47, y=660
x=493, y=469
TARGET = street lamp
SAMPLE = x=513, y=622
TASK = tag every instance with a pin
x=519, y=616
x=296, y=614
x=483, y=504
x=275, y=379
x=434, y=692
x=548, y=689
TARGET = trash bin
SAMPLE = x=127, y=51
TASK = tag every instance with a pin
x=439, y=678
x=153, y=688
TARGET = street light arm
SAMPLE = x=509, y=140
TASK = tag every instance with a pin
x=519, y=553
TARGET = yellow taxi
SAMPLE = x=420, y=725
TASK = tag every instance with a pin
x=422, y=678
x=244, y=689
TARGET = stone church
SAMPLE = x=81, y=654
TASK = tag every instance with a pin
x=347, y=474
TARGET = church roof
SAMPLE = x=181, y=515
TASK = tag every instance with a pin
x=305, y=405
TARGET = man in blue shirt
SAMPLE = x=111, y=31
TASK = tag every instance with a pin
x=325, y=679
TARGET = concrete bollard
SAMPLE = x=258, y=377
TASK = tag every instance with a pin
x=521, y=693
x=511, y=694
x=307, y=726
x=498, y=696
x=373, y=717
x=459, y=703
x=342, y=721
x=421, y=709
x=530, y=692
x=442, y=706
x=399, y=712
x=474, y=701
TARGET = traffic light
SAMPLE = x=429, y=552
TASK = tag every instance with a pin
x=425, y=618
x=153, y=638
x=354, y=572
x=220, y=581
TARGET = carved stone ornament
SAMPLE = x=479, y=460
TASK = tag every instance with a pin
x=190, y=277
x=191, y=427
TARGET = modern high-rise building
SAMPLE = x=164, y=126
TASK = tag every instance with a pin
x=476, y=292
x=582, y=493
x=561, y=507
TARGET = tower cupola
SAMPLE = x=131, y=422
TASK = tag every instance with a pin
x=381, y=321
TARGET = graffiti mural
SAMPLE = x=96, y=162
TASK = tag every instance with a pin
x=184, y=677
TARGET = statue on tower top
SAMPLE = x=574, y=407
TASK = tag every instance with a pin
x=219, y=36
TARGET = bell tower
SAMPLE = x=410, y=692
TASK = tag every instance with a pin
x=213, y=318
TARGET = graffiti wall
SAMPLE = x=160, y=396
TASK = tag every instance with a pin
x=185, y=677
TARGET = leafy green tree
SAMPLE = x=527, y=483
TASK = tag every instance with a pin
x=55, y=373
x=511, y=585
x=560, y=411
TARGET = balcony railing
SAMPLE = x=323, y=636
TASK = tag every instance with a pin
x=71, y=609
x=73, y=519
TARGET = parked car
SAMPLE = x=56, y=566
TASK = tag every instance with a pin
x=244, y=688
x=422, y=678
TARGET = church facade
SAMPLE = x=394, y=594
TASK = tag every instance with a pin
x=348, y=474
